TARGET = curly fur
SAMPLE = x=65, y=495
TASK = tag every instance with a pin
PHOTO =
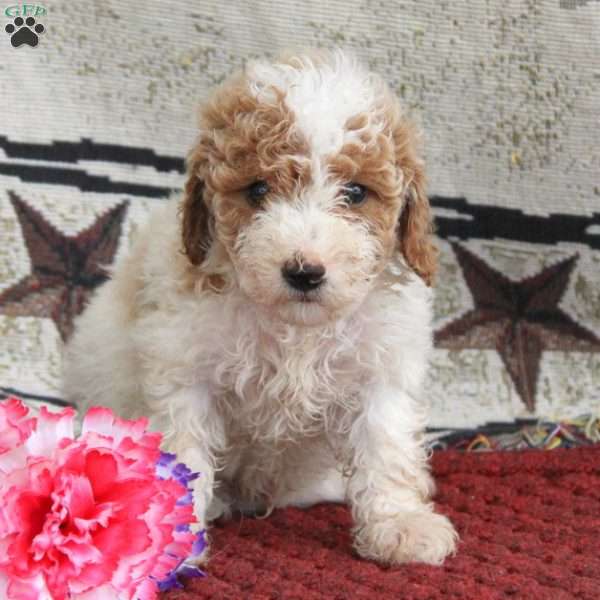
x=280, y=396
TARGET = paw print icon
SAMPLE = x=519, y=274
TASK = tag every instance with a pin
x=24, y=31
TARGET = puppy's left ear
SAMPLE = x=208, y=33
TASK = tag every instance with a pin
x=415, y=229
x=415, y=225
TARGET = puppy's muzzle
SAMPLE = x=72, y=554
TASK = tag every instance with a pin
x=303, y=277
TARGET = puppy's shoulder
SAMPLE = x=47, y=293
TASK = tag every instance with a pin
x=155, y=268
x=402, y=294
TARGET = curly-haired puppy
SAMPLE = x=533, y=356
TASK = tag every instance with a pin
x=274, y=323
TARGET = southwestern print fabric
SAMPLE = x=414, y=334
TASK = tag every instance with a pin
x=97, y=117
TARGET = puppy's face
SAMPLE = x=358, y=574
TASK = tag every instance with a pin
x=306, y=173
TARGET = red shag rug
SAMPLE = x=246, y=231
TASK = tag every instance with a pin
x=529, y=524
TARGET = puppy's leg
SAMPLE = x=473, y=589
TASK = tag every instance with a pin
x=310, y=474
x=327, y=485
x=263, y=477
x=194, y=432
x=390, y=486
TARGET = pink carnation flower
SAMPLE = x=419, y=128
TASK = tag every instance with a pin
x=87, y=518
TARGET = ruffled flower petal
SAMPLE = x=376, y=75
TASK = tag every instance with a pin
x=30, y=588
x=13, y=459
x=104, y=422
x=105, y=592
x=51, y=428
x=15, y=426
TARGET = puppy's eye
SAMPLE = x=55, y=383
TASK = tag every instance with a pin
x=257, y=191
x=355, y=193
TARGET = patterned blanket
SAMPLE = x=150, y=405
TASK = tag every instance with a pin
x=98, y=111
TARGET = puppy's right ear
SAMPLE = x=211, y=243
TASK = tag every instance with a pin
x=195, y=217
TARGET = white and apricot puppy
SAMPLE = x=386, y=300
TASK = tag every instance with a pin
x=275, y=322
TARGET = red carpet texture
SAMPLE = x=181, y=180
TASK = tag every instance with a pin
x=529, y=524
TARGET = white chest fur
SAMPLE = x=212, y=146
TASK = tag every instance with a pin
x=286, y=383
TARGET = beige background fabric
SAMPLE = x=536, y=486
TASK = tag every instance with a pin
x=507, y=94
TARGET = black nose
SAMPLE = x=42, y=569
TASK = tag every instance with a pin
x=303, y=276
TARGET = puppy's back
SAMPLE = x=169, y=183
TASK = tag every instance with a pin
x=100, y=365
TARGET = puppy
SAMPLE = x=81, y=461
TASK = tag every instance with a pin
x=275, y=322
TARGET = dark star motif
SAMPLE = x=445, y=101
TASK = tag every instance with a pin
x=64, y=269
x=519, y=319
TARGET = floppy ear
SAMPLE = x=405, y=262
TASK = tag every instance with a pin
x=416, y=227
x=195, y=216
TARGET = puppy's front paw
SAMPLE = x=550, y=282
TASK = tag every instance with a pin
x=422, y=536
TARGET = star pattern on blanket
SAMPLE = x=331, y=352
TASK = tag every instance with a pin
x=64, y=269
x=519, y=319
